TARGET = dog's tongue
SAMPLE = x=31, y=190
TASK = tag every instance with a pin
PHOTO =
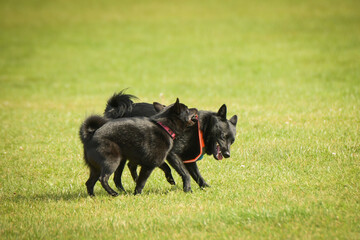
x=219, y=156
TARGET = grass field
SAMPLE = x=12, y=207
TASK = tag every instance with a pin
x=290, y=70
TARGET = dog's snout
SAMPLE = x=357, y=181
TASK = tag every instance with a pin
x=226, y=154
x=193, y=111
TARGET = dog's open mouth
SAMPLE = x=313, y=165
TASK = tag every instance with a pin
x=218, y=155
x=191, y=122
x=194, y=118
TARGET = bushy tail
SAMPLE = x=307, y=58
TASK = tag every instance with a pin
x=118, y=105
x=89, y=126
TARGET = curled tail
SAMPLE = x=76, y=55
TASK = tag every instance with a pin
x=118, y=105
x=89, y=126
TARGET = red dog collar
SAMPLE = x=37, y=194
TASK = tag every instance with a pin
x=167, y=129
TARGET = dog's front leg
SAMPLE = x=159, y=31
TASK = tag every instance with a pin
x=195, y=174
x=180, y=168
x=166, y=169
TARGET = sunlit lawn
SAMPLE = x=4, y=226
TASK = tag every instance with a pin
x=289, y=70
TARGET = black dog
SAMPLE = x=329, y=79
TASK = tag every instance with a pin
x=217, y=132
x=143, y=141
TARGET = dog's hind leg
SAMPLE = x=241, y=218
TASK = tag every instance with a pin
x=143, y=176
x=195, y=174
x=104, y=179
x=166, y=169
x=110, y=159
x=118, y=174
x=90, y=183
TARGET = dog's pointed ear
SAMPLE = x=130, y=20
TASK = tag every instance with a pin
x=222, y=112
x=233, y=120
x=158, y=106
x=177, y=107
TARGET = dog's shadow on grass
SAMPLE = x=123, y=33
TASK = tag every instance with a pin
x=76, y=195
x=46, y=197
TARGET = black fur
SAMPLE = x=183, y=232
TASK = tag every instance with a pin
x=89, y=127
x=216, y=128
x=140, y=140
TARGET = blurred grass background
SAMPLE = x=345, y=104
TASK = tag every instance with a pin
x=288, y=69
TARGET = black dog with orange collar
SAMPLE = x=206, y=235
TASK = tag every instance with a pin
x=212, y=134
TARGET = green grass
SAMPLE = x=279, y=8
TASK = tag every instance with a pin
x=288, y=69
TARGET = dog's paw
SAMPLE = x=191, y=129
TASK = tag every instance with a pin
x=187, y=189
x=171, y=181
x=121, y=188
x=137, y=191
x=205, y=185
x=114, y=194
